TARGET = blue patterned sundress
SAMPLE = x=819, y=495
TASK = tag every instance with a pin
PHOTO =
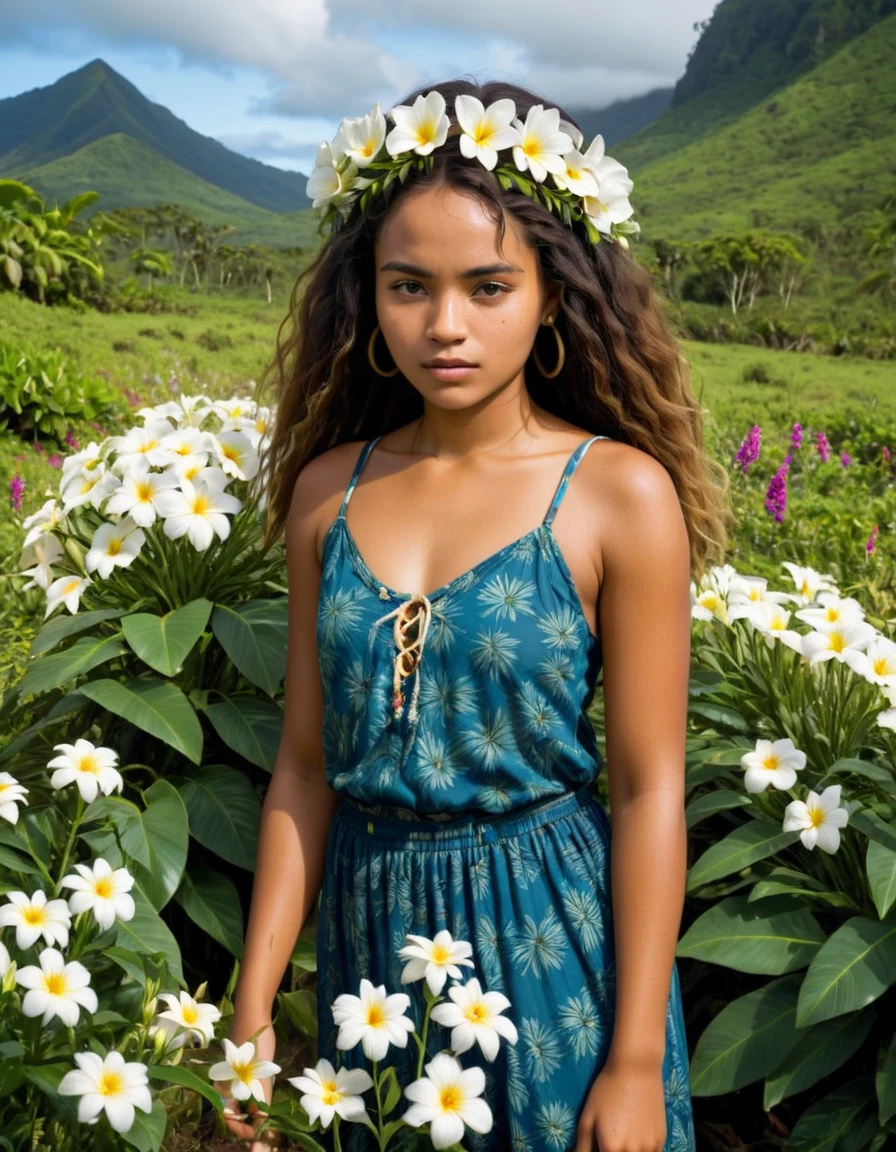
x=468, y=804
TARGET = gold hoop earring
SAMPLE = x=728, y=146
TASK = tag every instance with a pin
x=561, y=353
x=371, y=359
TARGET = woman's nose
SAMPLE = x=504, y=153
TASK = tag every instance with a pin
x=445, y=321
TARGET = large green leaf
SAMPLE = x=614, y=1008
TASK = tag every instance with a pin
x=251, y=727
x=167, y=833
x=253, y=635
x=65, y=706
x=865, y=768
x=155, y=706
x=211, y=900
x=61, y=627
x=749, y=842
x=854, y=967
x=178, y=1074
x=748, y=1039
x=719, y=800
x=128, y=820
x=147, y=933
x=13, y=862
x=880, y=864
x=822, y=1049
x=768, y=937
x=301, y=1007
x=164, y=642
x=843, y=1121
x=885, y=1084
x=224, y=812
x=148, y=1130
x=876, y=829
x=47, y=672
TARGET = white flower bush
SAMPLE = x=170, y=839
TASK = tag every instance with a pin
x=791, y=779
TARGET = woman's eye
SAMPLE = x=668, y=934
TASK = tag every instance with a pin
x=494, y=284
x=496, y=288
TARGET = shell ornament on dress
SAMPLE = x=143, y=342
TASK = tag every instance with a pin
x=412, y=619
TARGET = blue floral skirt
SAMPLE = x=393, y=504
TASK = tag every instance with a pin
x=530, y=890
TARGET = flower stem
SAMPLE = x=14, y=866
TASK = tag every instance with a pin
x=379, y=1104
x=73, y=831
x=422, y=1055
x=336, y=1134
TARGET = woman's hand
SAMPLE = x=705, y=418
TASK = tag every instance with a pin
x=625, y=1110
x=246, y=1117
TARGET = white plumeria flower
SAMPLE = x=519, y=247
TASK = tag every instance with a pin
x=611, y=205
x=485, y=130
x=244, y=1072
x=66, y=590
x=84, y=461
x=144, y=444
x=235, y=408
x=771, y=620
x=198, y=511
x=542, y=143
x=772, y=762
x=808, y=582
x=818, y=819
x=877, y=664
x=435, y=959
x=326, y=182
x=107, y=1084
x=835, y=641
x=328, y=1093
x=578, y=177
x=91, y=767
x=102, y=891
x=56, y=988
x=833, y=613
x=236, y=455
x=373, y=1018
x=475, y=1017
x=12, y=794
x=45, y=550
x=707, y=603
x=93, y=489
x=114, y=546
x=47, y=518
x=364, y=137
x=185, y=411
x=745, y=591
x=574, y=133
x=5, y=960
x=136, y=495
x=887, y=718
x=448, y=1098
x=186, y=1017
x=35, y=916
x=420, y=127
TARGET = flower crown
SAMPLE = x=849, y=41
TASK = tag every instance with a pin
x=589, y=187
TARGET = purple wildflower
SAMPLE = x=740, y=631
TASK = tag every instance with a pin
x=55, y=461
x=71, y=441
x=885, y=452
x=872, y=540
x=776, y=496
x=748, y=453
x=38, y=447
x=845, y=459
x=824, y=448
x=796, y=436
x=16, y=488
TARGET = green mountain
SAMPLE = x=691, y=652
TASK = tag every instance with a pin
x=748, y=50
x=40, y=127
x=109, y=165
x=819, y=152
x=624, y=118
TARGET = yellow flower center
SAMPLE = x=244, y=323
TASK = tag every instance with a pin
x=439, y=954
x=33, y=915
x=114, y=547
x=426, y=132
x=111, y=1084
x=229, y=452
x=331, y=1094
x=243, y=1072
x=476, y=1013
x=103, y=887
x=837, y=643
x=4, y=786
x=816, y=815
x=375, y=1017
x=191, y=1014
x=70, y=586
x=881, y=666
x=55, y=983
x=89, y=765
x=450, y=1098
x=144, y=491
x=805, y=588
x=201, y=504
x=832, y=614
x=770, y=762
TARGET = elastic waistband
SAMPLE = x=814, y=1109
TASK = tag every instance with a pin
x=471, y=828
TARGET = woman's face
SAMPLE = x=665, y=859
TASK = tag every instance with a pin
x=444, y=292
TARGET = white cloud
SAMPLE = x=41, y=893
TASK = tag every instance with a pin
x=335, y=57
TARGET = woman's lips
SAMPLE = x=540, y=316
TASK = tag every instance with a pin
x=454, y=372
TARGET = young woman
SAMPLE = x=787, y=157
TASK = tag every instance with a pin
x=488, y=466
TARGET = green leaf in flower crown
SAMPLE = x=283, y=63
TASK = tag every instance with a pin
x=48, y=672
x=155, y=706
x=252, y=634
x=880, y=866
x=768, y=937
x=755, y=840
x=748, y=1039
x=845, y=1120
x=164, y=642
x=822, y=1049
x=854, y=967
x=224, y=812
x=148, y=1130
x=249, y=726
x=211, y=900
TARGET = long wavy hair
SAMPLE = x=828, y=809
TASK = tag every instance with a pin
x=624, y=375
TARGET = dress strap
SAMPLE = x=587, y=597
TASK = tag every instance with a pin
x=571, y=466
x=359, y=468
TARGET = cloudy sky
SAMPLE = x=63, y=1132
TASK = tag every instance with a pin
x=271, y=78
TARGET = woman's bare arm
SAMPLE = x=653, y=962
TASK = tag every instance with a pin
x=646, y=626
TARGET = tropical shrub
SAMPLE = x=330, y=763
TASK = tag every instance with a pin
x=791, y=780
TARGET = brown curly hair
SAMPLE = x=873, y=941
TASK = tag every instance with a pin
x=624, y=374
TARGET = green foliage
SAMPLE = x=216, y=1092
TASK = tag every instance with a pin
x=40, y=395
